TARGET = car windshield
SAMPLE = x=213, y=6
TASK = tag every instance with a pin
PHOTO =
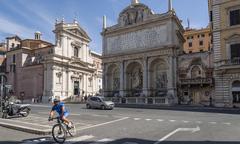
x=102, y=98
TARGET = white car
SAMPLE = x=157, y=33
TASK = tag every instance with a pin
x=99, y=102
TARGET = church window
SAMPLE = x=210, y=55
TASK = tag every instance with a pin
x=190, y=44
x=235, y=51
x=235, y=17
x=76, y=51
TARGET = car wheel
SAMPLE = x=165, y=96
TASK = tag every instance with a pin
x=103, y=107
x=88, y=106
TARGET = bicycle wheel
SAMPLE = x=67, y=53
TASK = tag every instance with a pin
x=72, y=131
x=58, y=133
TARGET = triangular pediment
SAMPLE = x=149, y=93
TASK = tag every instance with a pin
x=78, y=31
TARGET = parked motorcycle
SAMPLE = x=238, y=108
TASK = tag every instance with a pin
x=12, y=109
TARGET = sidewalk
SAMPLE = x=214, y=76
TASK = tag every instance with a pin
x=182, y=108
x=27, y=125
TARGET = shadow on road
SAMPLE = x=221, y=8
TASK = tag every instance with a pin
x=122, y=141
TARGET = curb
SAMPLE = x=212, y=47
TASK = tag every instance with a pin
x=181, y=108
x=26, y=129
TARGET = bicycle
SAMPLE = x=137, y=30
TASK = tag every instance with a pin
x=61, y=130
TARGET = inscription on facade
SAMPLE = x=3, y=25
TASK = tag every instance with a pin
x=147, y=38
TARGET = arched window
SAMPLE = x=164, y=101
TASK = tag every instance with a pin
x=196, y=72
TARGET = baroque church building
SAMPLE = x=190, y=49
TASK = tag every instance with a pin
x=140, y=56
x=72, y=70
x=38, y=70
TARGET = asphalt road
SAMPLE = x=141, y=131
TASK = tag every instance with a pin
x=136, y=126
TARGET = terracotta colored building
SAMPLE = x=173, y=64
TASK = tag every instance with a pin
x=24, y=66
x=3, y=50
x=197, y=40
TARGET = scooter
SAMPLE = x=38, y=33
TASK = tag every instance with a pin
x=12, y=109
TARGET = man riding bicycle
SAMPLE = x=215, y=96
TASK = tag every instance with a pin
x=59, y=107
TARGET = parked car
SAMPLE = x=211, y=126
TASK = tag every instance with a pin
x=99, y=102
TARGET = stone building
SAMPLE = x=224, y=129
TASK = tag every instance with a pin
x=140, y=56
x=39, y=70
x=3, y=50
x=225, y=21
x=24, y=66
x=197, y=40
x=196, y=82
x=72, y=70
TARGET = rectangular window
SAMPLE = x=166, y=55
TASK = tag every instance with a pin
x=76, y=88
x=235, y=17
x=190, y=44
x=236, y=97
x=201, y=43
x=76, y=52
x=203, y=35
x=211, y=16
x=235, y=51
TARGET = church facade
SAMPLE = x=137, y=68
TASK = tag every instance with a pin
x=140, y=56
x=72, y=71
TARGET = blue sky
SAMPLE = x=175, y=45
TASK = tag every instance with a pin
x=24, y=17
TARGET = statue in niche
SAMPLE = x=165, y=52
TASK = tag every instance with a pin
x=116, y=83
x=137, y=79
x=161, y=81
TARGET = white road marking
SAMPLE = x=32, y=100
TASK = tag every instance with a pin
x=101, y=124
x=148, y=119
x=172, y=120
x=193, y=130
x=79, y=139
x=199, y=122
x=102, y=141
x=185, y=121
x=227, y=123
x=160, y=120
x=213, y=123
x=130, y=143
x=136, y=119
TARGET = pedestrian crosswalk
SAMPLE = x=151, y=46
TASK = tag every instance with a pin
x=180, y=121
x=89, y=139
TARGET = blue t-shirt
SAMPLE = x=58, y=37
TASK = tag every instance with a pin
x=58, y=108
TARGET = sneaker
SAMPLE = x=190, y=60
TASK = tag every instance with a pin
x=70, y=125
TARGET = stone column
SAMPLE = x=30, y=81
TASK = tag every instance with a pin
x=172, y=80
x=104, y=82
x=145, y=76
x=122, y=93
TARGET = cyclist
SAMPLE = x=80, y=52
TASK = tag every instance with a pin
x=59, y=107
